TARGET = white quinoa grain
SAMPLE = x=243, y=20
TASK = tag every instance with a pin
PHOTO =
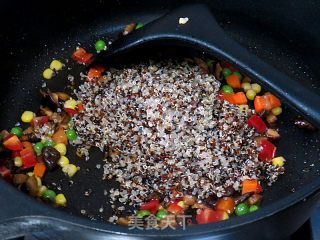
x=165, y=130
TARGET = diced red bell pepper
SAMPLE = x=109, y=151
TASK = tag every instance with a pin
x=233, y=81
x=267, y=150
x=209, y=215
x=12, y=142
x=39, y=121
x=256, y=122
x=266, y=102
x=227, y=96
x=174, y=208
x=27, y=144
x=272, y=100
x=5, y=173
x=81, y=56
x=28, y=158
x=259, y=189
x=95, y=72
x=71, y=111
x=239, y=98
x=226, y=65
x=220, y=96
x=151, y=206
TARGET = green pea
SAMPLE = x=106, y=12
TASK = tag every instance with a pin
x=227, y=89
x=226, y=72
x=210, y=62
x=17, y=131
x=100, y=45
x=139, y=25
x=143, y=213
x=241, y=209
x=49, y=143
x=161, y=214
x=253, y=208
x=71, y=134
x=38, y=147
x=49, y=194
x=239, y=75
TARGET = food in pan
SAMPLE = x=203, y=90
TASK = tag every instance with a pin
x=183, y=137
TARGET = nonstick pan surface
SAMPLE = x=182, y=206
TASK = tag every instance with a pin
x=23, y=80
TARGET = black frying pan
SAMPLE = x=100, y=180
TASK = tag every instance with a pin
x=281, y=208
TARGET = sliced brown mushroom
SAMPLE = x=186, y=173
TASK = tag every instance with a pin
x=63, y=96
x=242, y=198
x=246, y=80
x=211, y=66
x=19, y=179
x=29, y=135
x=202, y=64
x=271, y=120
x=124, y=221
x=218, y=72
x=129, y=28
x=46, y=111
x=254, y=199
x=4, y=134
x=189, y=60
x=272, y=134
x=32, y=186
x=61, y=119
x=302, y=123
x=49, y=99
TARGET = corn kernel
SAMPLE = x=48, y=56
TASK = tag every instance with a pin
x=160, y=207
x=63, y=161
x=27, y=116
x=278, y=161
x=181, y=204
x=243, y=108
x=48, y=73
x=246, y=86
x=39, y=181
x=256, y=87
x=70, y=104
x=225, y=216
x=61, y=199
x=41, y=191
x=18, y=161
x=70, y=169
x=61, y=148
x=30, y=174
x=251, y=94
x=56, y=65
x=276, y=111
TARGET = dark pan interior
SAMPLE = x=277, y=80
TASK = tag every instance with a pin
x=28, y=50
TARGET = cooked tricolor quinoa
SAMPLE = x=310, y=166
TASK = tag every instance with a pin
x=165, y=131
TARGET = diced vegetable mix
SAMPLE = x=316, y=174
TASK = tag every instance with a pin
x=25, y=153
x=34, y=156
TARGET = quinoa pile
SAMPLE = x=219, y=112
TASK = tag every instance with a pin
x=165, y=130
